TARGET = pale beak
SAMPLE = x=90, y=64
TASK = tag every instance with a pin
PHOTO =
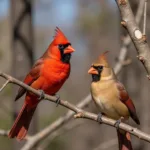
x=69, y=50
x=92, y=71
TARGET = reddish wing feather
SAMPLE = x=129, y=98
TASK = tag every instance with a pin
x=124, y=97
x=124, y=140
x=31, y=77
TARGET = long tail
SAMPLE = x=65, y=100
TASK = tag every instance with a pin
x=22, y=122
x=124, y=140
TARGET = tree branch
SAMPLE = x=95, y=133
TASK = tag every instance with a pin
x=145, y=18
x=4, y=85
x=138, y=39
x=33, y=140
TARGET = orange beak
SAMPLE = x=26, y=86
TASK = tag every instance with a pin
x=69, y=50
x=92, y=71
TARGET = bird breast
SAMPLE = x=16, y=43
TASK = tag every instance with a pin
x=55, y=74
x=105, y=95
x=55, y=70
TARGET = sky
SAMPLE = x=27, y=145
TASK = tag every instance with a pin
x=4, y=5
x=58, y=8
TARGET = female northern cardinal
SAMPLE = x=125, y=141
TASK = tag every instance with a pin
x=48, y=74
x=111, y=97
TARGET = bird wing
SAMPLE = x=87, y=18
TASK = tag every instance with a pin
x=31, y=77
x=124, y=97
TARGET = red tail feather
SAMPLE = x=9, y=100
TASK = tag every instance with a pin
x=124, y=140
x=22, y=122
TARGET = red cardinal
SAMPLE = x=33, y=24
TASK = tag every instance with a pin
x=48, y=74
x=111, y=98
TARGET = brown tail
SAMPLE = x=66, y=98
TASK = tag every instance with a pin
x=22, y=122
x=124, y=140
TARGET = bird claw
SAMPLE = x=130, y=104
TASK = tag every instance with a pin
x=42, y=96
x=58, y=100
x=117, y=123
x=99, y=118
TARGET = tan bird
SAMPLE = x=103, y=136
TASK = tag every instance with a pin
x=111, y=98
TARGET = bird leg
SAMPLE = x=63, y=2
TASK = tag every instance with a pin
x=58, y=100
x=117, y=123
x=42, y=96
x=99, y=117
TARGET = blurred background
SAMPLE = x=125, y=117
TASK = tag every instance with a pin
x=26, y=30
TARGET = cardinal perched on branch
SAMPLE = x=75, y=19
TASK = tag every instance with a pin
x=48, y=75
x=111, y=98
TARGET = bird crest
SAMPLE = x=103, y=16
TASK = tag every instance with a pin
x=103, y=60
x=59, y=37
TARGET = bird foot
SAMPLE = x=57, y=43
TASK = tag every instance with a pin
x=99, y=118
x=42, y=96
x=117, y=123
x=58, y=100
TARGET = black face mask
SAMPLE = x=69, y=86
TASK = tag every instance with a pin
x=96, y=77
x=64, y=57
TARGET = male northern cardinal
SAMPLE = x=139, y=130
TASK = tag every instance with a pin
x=48, y=75
x=111, y=97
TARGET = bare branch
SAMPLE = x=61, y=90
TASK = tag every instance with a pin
x=138, y=39
x=4, y=85
x=33, y=140
x=145, y=15
x=139, y=12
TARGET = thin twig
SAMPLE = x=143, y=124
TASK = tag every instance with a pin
x=145, y=18
x=4, y=85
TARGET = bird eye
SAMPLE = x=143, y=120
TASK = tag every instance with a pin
x=61, y=47
x=100, y=68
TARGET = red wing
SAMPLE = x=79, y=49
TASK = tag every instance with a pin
x=31, y=77
x=124, y=97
